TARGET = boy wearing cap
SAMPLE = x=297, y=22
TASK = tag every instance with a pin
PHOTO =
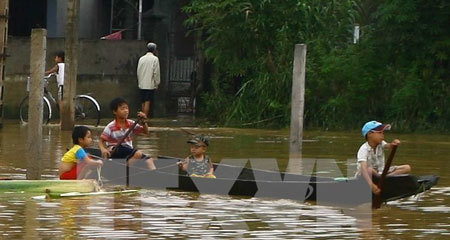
x=371, y=154
x=198, y=164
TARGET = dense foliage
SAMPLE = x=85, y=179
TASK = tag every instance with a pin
x=398, y=72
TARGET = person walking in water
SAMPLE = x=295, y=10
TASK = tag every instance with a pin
x=148, y=77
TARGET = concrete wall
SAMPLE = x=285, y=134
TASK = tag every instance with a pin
x=107, y=69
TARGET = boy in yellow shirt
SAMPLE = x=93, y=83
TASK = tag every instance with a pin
x=76, y=162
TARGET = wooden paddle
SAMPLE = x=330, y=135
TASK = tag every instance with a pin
x=376, y=202
x=125, y=136
x=120, y=143
x=186, y=131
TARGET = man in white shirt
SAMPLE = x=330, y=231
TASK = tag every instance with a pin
x=148, y=77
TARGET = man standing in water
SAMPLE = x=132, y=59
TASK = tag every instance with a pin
x=148, y=77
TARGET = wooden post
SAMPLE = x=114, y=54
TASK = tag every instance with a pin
x=3, y=41
x=71, y=65
x=37, y=65
x=297, y=109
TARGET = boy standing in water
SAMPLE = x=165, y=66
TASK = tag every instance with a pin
x=371, y=154
x=59, y=70
x=198, y=163
x=116, y=130
x=75, y=162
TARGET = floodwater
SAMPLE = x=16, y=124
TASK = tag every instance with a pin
x=164, y=214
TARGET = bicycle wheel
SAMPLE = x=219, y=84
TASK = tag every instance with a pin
x=87, y=110
x=47, y=112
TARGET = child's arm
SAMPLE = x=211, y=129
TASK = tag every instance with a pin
x=144, y=125
x=368, y=177
x=394, y=142
x=52, y=70
x=211, y=168
x=156, y=74
x=83, y=156
x=92, y=162
x=102, y=146
x=184, y=165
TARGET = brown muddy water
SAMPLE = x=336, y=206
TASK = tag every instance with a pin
x=163, y=214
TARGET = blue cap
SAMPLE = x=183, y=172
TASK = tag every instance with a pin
x=374, y=126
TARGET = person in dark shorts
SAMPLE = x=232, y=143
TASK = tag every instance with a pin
x=148, y=77
x=116, y=130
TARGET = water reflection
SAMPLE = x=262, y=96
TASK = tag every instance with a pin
x=170, y=214
x=175, y=215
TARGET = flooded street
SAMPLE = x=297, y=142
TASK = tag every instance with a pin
x=163, y=214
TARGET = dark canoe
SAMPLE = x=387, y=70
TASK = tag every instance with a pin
x=241, y=181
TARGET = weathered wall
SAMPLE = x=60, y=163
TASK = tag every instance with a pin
x=107, y=69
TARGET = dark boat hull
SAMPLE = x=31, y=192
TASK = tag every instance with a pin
x=239, y=181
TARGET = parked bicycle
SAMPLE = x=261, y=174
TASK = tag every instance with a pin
x=87, y=109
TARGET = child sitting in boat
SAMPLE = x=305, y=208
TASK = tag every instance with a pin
x=198, y=164
x=76, y=162
x=371, y=154
x=116, y=130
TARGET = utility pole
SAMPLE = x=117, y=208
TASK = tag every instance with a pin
x=139, y=33
x=297, y=110
x=4, y=7
x=71, y=65
x=35, y=104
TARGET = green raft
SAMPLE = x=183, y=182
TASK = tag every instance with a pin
x=53, y=186
x=50, y=195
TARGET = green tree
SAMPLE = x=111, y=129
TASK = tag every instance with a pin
x=398, y=72
x=251, y=44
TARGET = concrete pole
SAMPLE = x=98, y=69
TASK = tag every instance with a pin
x=35, y=105
x=356, y=34
x=71, y=65
x=297, y=109
x=4, y=5
x=139, y=34
x=112, y=17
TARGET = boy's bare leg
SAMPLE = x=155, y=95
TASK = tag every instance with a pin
x=138, y=156
x=372, y=172
x=402, y=169
x=84, y=172
x=60, y=106
x=150, y=164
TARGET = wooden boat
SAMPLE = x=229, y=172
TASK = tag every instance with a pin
x=43, y=186
x=241, y=181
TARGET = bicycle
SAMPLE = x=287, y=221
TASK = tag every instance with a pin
x=87, y=109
